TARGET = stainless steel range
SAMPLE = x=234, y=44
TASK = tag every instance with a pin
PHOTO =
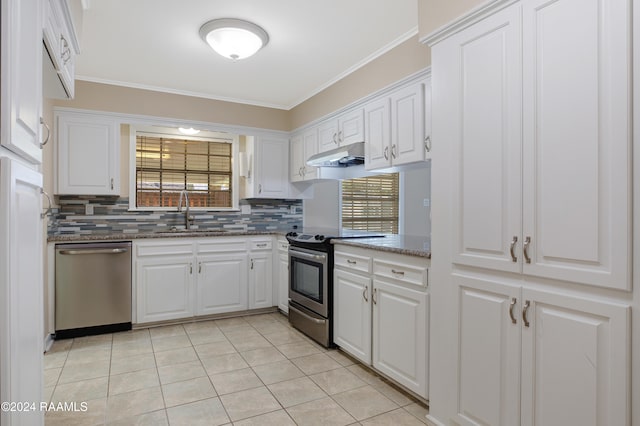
x=311, y=280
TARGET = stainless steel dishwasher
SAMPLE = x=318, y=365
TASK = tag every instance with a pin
x=93, y=288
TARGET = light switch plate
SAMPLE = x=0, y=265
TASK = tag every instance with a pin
x=245, y=209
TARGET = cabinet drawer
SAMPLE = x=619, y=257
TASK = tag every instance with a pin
x=221, y=245
x=283, y=245
x=165, y=247
x=353, y=262
x=261, y=245
x=409, y=274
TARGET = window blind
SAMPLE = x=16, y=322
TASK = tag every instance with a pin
x=371, y=203
x=167, y=166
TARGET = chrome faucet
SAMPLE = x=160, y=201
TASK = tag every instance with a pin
x=187, y=218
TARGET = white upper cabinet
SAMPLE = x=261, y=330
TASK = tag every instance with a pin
x=345, y=129
x=21, y=78
x=61, y=43
x=268, y=174
x=541, y=177
x=303, y=145
x=395, y=128
x=88, y=154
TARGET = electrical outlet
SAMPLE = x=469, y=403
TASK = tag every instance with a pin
x=88, y=209
x=245, y=209
x=426, y=202
x=293, y=210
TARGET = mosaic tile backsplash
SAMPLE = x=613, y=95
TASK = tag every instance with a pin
x=112, y=215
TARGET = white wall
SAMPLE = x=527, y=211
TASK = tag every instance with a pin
x=323, y=210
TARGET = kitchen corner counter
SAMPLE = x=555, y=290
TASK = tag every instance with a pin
x=403, y=244
x=144, y=235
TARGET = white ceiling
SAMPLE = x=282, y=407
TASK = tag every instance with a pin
x=154, y=44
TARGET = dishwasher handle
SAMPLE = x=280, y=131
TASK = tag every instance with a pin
x=94, y=251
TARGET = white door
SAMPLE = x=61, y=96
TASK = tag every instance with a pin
x=407, y=125
x=21, y=286
x=222, y=283
x=377, y=130
x=21, y=77
x=164, y=288
x=577, y=140
x=575, y=358
x=273, y=168
x=88, y=155
x=484, y=130
x=352, y=314
x=400, y=328
x=260, y=280
x=488, y=353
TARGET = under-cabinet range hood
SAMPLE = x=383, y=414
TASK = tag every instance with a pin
x=348, y=155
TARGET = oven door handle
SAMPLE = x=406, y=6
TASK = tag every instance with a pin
x=305, y=255
x=310, y=318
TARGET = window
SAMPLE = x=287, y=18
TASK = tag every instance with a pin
x=371, y=203
x=167, y=164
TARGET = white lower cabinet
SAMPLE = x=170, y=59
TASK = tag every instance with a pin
x=381, y=313
x=220, y=283
x=283, y=275
x=535, y=357
x=185, y=277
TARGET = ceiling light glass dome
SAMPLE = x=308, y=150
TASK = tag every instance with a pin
x=234, y=38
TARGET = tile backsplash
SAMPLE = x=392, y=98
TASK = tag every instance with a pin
x=112, y=215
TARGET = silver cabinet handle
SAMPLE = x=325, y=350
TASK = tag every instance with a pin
x=525, y=249
x=340, y=136
x=365, y=291
x=261, y=245
x=401, y=273
x=190, y=268
x=512, y=248
x=335, y=138
x=65, y=54
x=199, y=267
x=296, y=253
x=512, y=305
x=46, y=126
x=393, y=151
x=112, y=184
x=386, y=153
x=351, y=262
x=524, y=313
x=48, y=211
x=373, y=296
x=427, y=143
x=252, y=264
x=259, y=188
x=96, y=251
x=304, y=170
x=308, y=317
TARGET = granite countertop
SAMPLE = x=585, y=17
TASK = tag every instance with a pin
x=156, y=234
x=403, y=244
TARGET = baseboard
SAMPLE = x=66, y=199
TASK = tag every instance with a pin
x=48, y=342
x=432, y=421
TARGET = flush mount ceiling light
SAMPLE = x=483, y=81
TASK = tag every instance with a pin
x=190, y=131
x=234, y=38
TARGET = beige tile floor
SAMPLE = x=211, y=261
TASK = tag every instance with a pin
x=253, y=370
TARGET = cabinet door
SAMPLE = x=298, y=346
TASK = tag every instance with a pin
x=21, y=287
x=400, y=355
x=488, y=352
x=377, y=130
x=88, y=155
x=328, y=135
x=164, y=288
x=577, y=141
x=351, y=127
x=21, y=77
x=575, y=358
x=352, y=314
x=222, y=284
x=283, y=282
x=407, y=125
x=310, y=139
x=483, y=128
x=296, y=159
x=260, y=280
x=272, y=171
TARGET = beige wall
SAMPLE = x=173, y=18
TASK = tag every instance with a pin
x=401, y=61
x=433, y=14
x=105, y=97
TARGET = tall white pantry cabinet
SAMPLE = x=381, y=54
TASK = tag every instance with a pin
x=531, y=193
x=21, y=225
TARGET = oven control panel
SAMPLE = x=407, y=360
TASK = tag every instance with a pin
x=307, y=238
